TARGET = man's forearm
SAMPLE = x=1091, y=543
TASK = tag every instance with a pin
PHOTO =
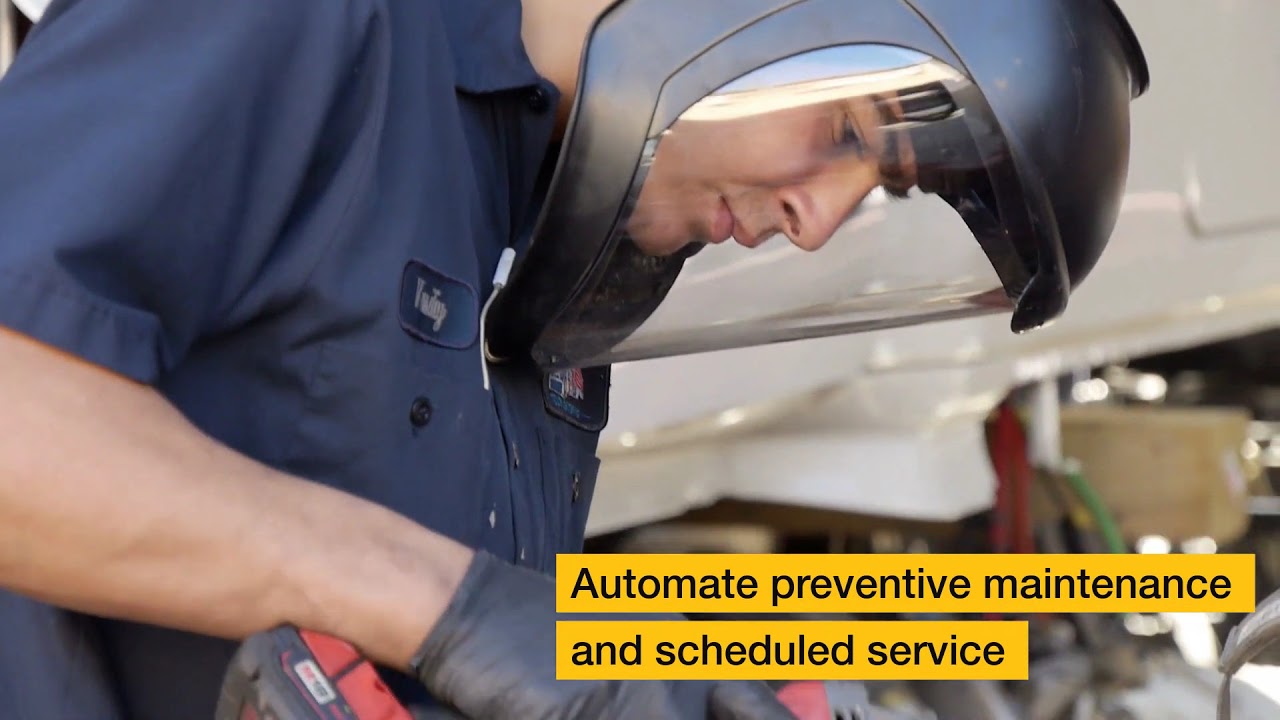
x=112, y=503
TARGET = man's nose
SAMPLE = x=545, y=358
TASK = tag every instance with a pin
x=813, y=212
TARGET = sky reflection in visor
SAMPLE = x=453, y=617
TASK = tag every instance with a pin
x=792, y=149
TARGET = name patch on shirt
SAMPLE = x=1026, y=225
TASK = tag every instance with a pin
x=579, y=397
x=437, y=308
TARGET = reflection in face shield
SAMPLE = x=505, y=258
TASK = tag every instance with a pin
x=799, y=171
x=805, y=147
x=798, y=123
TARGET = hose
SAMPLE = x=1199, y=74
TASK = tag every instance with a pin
x=1097, y=508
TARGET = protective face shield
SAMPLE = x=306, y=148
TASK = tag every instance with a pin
x=767, y=170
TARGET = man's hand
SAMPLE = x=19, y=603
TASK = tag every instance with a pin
x=492, y=655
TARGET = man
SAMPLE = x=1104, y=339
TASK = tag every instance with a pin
x=245, y=251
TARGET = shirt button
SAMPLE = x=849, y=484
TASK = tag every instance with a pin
x=538, y=100
x=577, y=486
x=420, y=412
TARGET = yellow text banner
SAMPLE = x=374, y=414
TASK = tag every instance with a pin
x=791, y=650
x=914, y=583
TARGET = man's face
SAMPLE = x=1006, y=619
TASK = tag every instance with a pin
x=799, y=171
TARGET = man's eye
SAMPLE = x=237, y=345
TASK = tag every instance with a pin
x=847, y=135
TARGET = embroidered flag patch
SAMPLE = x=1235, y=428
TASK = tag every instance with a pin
x=437, y=308
x=579, y=397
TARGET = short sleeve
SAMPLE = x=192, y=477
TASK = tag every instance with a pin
x=151, y=152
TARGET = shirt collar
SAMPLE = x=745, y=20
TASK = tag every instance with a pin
x=488, y=51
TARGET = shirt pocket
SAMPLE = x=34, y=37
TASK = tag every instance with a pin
x=381, y=424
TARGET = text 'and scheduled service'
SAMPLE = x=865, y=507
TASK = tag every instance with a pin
x=791, y=650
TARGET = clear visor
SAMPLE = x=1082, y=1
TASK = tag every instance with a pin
x=836, y=191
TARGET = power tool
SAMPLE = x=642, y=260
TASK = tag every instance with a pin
x=291, y=674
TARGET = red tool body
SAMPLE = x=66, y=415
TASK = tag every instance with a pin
x=290, y=674
x=825, y=700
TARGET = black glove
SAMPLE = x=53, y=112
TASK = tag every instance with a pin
x=492, y=656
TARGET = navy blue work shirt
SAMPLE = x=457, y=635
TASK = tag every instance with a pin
x=286, y=216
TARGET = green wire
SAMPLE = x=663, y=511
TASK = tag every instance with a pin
x=1106, y=523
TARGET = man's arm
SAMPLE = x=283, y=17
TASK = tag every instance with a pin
x=151, y=153
x=151, y=159
x=112, y=503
